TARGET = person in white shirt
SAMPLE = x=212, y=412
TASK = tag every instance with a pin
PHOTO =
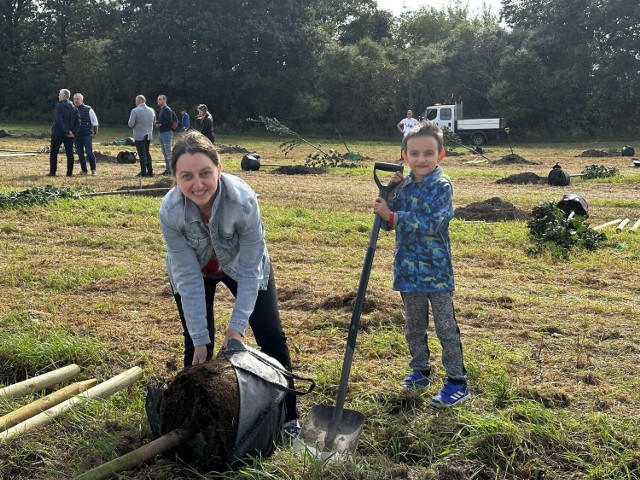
x=406, y=124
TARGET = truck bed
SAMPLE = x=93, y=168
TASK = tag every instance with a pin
x=479, y=124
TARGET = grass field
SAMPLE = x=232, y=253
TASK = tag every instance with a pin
x=551, y=345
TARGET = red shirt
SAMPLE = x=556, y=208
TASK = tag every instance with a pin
x=212, y=268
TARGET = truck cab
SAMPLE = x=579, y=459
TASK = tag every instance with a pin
x=479, y=130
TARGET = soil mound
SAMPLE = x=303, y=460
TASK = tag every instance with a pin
x=205, y=398
x=522, y=179
x=101, y=157
x=297, y=170
x=492, y=210
x=513, y=158
x=231, y=149
x=594, y=153
x=163, y=183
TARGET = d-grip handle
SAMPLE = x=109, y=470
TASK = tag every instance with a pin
x=385, y=167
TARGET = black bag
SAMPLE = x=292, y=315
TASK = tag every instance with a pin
x=262, y=386
x=126, y=156
x=558, y=176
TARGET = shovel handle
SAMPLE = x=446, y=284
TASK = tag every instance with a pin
x=385, y=167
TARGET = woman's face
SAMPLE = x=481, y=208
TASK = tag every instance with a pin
x=197, y=178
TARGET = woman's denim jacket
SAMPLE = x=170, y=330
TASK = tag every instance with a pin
x=237, y=236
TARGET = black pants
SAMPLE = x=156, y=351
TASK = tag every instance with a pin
x=144, y=155
x=264, y=322
x=56, y=141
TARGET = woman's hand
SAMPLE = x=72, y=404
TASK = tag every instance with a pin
x=382, y=209
x=229, y=334
x=199, y=355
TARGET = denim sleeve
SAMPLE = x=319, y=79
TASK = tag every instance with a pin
x=186, y=279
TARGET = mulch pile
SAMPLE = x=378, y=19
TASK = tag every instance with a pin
x=492, y=210
x=513, y=158
x=297, y=170
x=595, y=153
x=204, y=398
x=522, y=179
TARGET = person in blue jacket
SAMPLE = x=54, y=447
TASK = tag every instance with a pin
x=213, y=234
x=185, y=120
x=66, y=123
x=419, y=212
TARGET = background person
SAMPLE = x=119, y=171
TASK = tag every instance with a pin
x=163, y=124
x=206, y=122
x=185, y=120
x=141, y=119
x=420, y=213
x=66, y=122
x=214, y=234
x=88, y=130
x=406, y=124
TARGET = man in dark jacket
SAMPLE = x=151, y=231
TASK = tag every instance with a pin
x=66, y=123
x=163, y=124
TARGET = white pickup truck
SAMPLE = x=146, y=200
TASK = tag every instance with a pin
x=479, y=130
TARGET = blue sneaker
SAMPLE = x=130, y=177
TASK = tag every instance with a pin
x=290, y=430
x=416, y=379
x=450, y=395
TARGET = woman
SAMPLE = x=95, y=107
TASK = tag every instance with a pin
x=213, y=233
x=206, y=122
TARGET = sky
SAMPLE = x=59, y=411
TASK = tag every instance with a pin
x=400, y=6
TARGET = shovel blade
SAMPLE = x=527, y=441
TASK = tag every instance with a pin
x=314, y=431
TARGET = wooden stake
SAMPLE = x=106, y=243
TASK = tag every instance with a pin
x=102, y=390
x=635, y=226
x=608, y=224
x=136, y=457
x=40, y=382
x=623, y=224
x=40, y=405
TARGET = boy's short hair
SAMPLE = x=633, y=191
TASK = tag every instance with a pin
x=424, y=128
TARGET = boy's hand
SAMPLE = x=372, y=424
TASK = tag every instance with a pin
x=395, y=182
x=382, y=209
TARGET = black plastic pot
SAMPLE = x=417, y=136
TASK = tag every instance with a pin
x=628, y=151
x=558, y=176
x=250, y=162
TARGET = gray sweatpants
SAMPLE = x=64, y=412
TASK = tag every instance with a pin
x=416, y=307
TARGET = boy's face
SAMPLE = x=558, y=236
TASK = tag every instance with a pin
x=422, y=155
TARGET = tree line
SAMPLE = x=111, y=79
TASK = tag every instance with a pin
x=547, y=66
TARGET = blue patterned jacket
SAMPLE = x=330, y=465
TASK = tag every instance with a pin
x=422, y=213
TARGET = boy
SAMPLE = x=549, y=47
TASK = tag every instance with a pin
x=423, y=273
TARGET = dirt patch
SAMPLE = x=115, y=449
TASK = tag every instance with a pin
x=157, y=189
x=523, y=179
x=102, y=158
x=231, y=149
x=297, y=170
x=492, y=210
x=513, y=158
x=204, y=398
x=595, y=153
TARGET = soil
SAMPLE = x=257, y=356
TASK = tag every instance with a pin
x=297, y=170
x=101, y=157
x=492, y=210
x=231, y=149
x=523, y=179
x=204, y=398
x=513, y=158
x=163, y=182
x=595, y=153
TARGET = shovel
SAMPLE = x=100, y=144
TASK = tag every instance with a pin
x=331, y=431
